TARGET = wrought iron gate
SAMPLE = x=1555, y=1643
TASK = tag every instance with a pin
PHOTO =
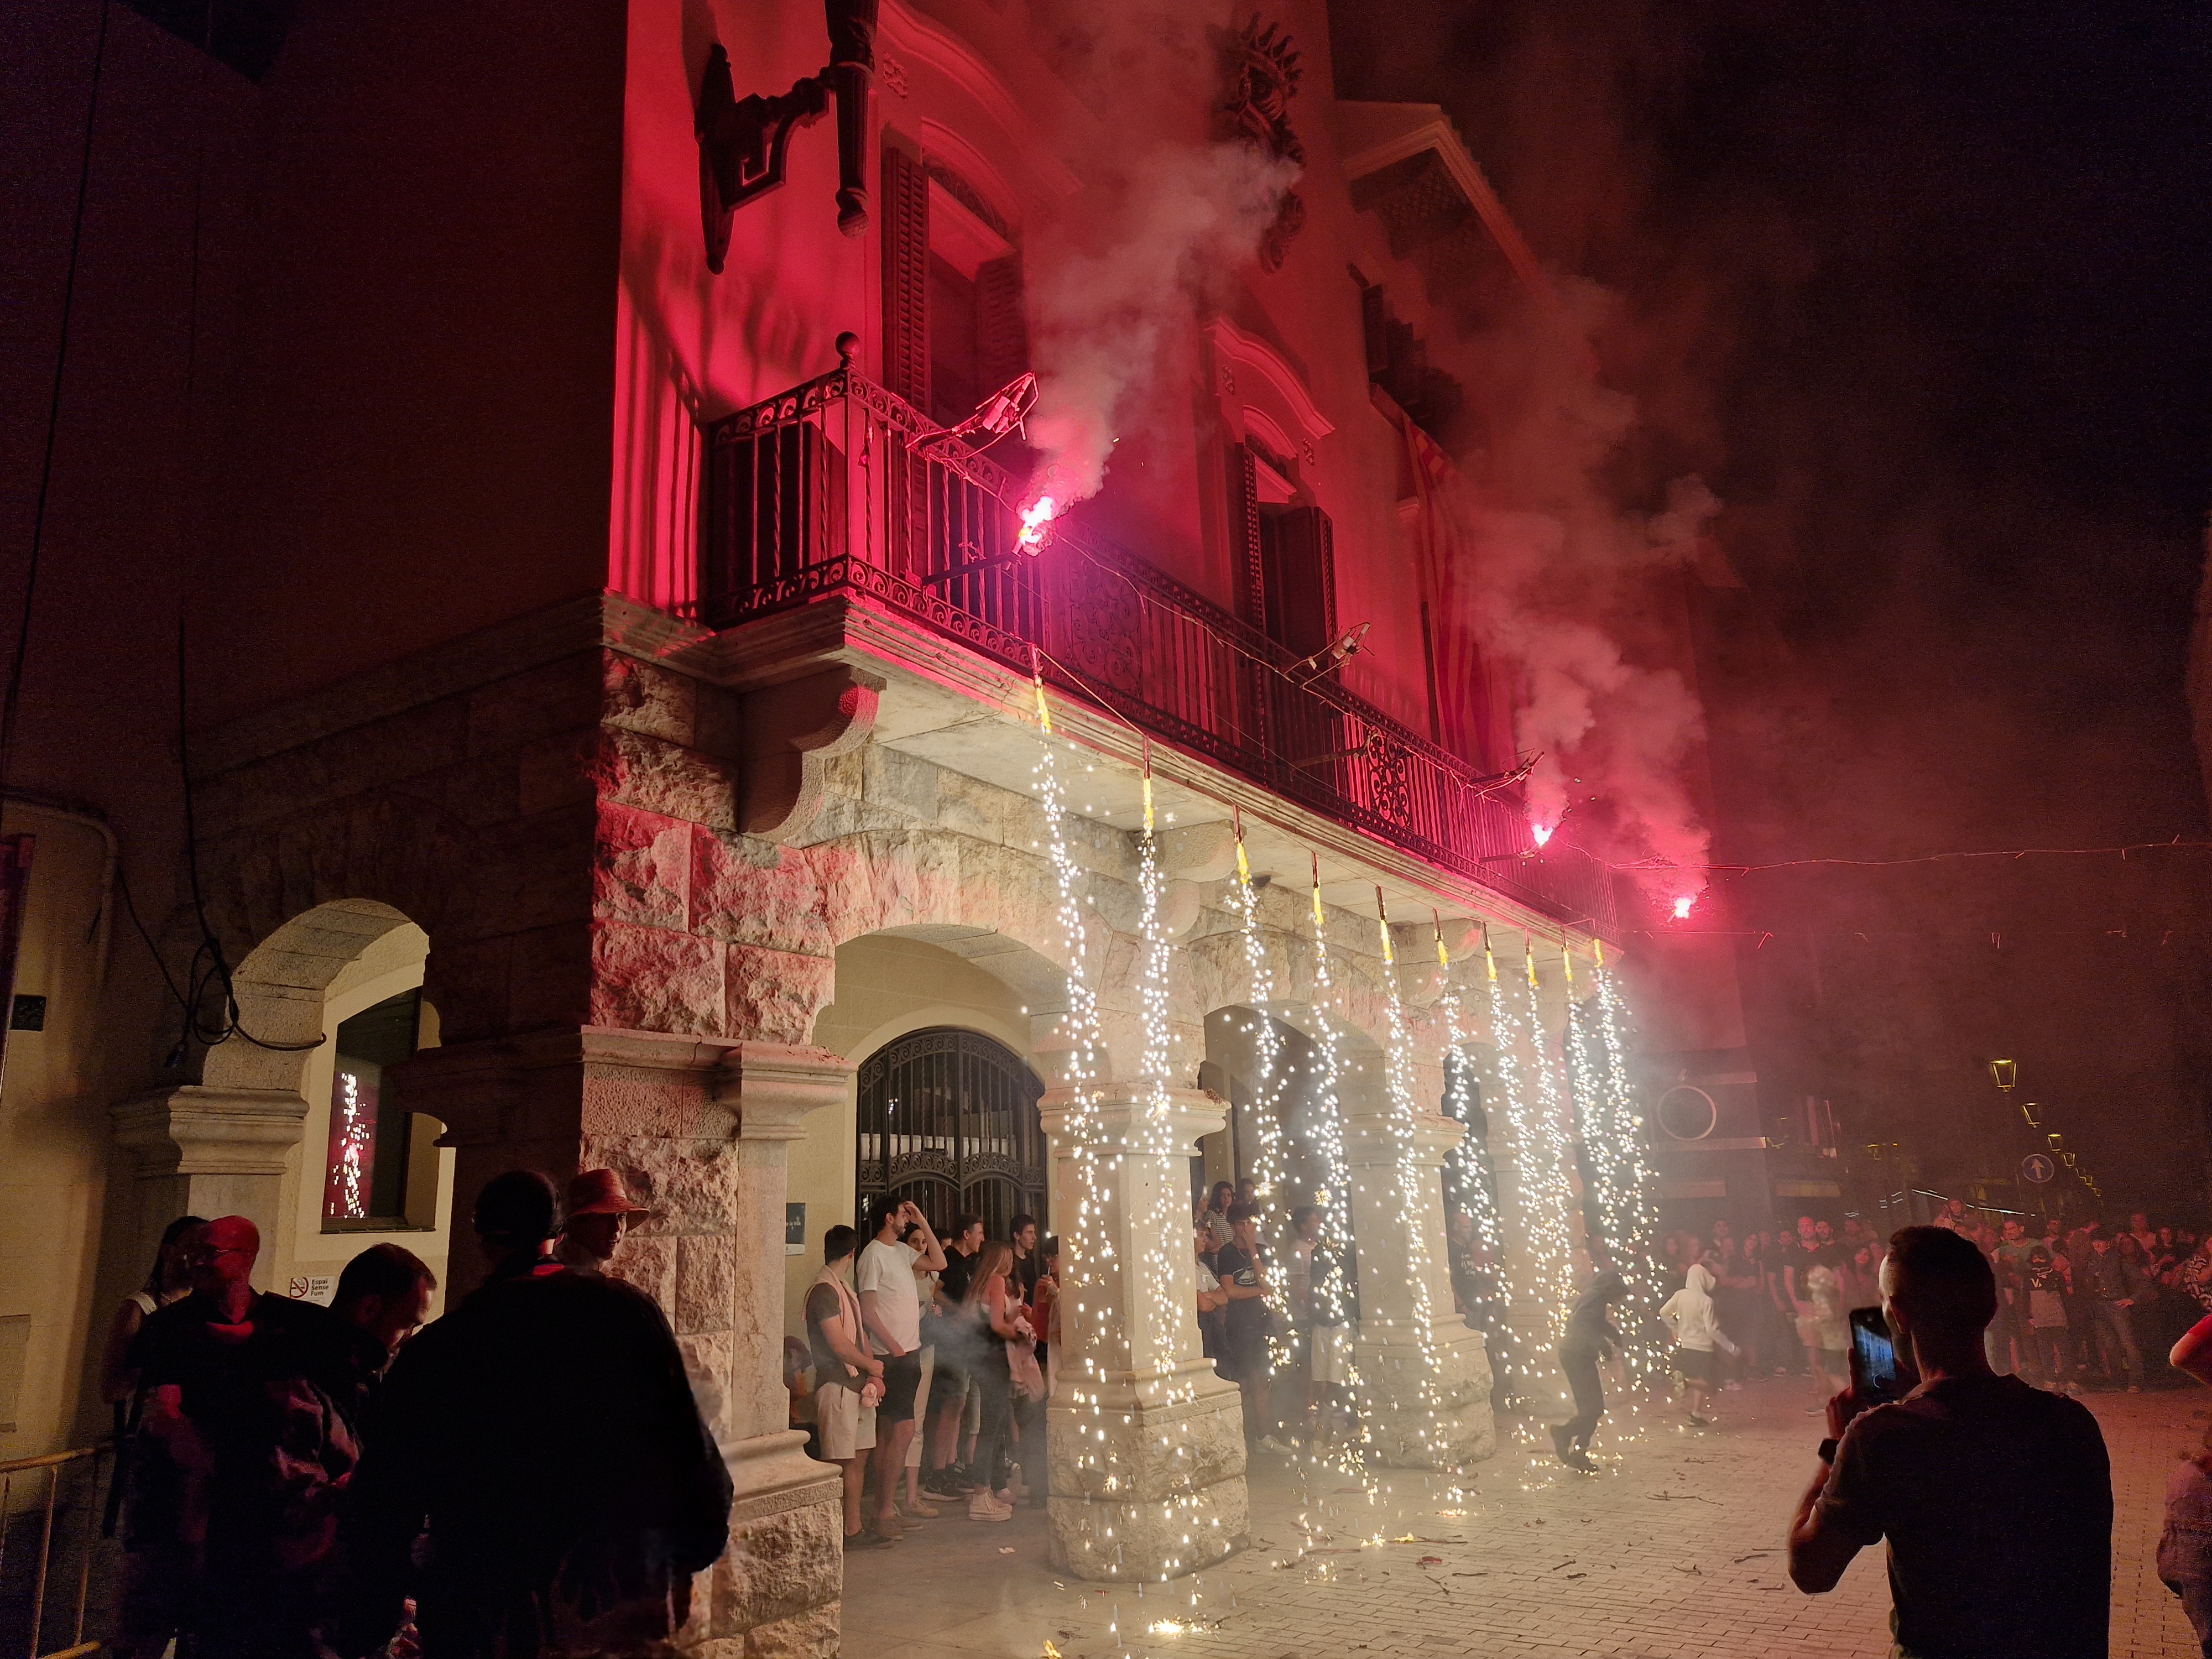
x=949, y=1119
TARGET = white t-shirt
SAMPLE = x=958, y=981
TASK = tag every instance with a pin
x=888, y=1270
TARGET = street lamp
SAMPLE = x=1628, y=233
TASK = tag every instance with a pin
x=2004, y=1073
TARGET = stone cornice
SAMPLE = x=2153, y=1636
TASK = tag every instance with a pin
x=195, y=1130
x=1122, y=1119
x=1232, y=345
x=807, y=638
x=773, y=1086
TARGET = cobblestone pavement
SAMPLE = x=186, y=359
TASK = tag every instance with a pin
x=1675, y=1549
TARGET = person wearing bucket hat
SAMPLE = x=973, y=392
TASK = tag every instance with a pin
x=598, y=1206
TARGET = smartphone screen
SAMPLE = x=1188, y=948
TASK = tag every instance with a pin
x=1874, y=1372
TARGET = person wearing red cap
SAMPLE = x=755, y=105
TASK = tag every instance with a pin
x=598, y=1206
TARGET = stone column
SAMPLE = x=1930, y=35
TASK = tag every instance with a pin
x=205, y=1151
x=777, y=1588
x=1145, y=1443
x=1425, y=1378
x=698, y=1128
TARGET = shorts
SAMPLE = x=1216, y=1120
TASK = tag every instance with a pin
x=1693, y=1365
x=1332, y=1353
x=901, y=1377
x=847, y=1427
x=921, y=1405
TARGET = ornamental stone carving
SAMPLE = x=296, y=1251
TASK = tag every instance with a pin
x=1260, y=75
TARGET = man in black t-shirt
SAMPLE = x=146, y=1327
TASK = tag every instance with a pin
x=955, y=1406
x=1028, y=1265
x=1242, y=1276
x=1996, y=1498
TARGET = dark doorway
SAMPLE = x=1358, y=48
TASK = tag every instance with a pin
x=949, y=1119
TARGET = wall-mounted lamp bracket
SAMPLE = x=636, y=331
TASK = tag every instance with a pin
x=745, y=142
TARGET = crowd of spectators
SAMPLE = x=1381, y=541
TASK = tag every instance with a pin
x=2079, y=1303
x=1277, y=1303
x=529, y=1474
x=927, y=1367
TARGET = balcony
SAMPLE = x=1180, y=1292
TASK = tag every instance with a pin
x=839, y=489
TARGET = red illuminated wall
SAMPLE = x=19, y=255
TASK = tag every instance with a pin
x=963, y=84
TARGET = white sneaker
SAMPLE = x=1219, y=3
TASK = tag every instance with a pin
x=1269, y=1443
x=984, y=1507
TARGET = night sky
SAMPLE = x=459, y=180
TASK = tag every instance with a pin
x=1921, y=291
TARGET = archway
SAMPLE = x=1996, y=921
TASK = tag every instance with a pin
x=254, y=1135
x=948, y=1118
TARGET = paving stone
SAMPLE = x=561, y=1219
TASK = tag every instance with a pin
x=1502, y=1581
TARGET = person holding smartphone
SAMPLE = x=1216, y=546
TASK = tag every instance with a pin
x=1946, y=1472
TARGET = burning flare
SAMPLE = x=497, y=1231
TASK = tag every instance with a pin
x=1543, y=832
x=1682, y=906
x=1035, y=519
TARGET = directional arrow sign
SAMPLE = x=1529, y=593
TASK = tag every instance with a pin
x=2037, y=1168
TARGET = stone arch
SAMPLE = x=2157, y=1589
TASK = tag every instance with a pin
x=989, y=901
x=223, y=1146
x=1224, y=978
x=285, y=981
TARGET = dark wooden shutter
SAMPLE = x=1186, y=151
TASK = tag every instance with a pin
x=906, y=274
x=1247, y=561
x=1374, y=330
x=1002, y=333
x=1300, y=583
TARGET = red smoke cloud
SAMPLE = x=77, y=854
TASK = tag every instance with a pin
x=1569, y=591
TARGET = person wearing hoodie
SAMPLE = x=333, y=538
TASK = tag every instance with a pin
x=1591, y=1336
x=1689, y=1315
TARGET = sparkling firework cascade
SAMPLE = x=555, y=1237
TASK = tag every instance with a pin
x=1625, y=1182
x=1088, y=1244
x=1465, y=1160
x=1269, y=1172
x=1531, y=1102
x=1331, y=1283
x=1398, y=1075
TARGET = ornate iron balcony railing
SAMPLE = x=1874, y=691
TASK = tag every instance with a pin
x=838, y=487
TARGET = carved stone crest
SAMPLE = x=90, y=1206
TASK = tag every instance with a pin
x=1260, y=77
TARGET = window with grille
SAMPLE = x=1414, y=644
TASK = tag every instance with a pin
x=949, y=1119
x=367, y=1164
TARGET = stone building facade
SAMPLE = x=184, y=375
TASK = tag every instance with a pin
x=659, y=859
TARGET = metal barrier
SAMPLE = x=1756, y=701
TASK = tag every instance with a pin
x=838, y=487
x=54, y=1464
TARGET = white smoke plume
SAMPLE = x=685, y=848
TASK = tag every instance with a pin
x=1115, y=278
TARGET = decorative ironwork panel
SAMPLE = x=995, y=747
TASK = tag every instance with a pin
x=949, y=1119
